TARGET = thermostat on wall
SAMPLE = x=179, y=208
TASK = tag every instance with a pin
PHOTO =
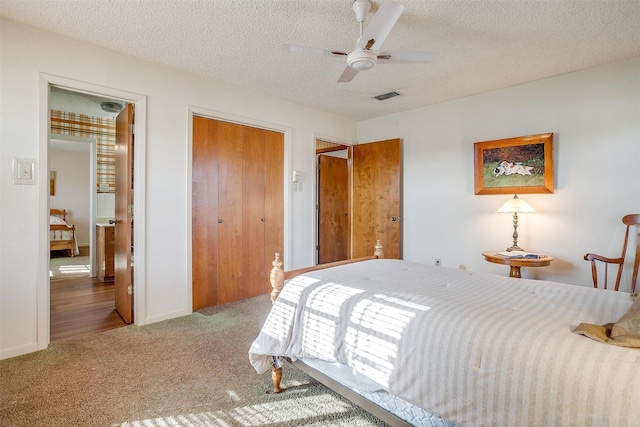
x=24, y=171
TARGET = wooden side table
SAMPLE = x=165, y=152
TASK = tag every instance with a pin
x=516, y=263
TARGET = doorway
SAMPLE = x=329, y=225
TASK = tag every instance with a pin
x=71, y=178
x=374, y=194
x=82, y=181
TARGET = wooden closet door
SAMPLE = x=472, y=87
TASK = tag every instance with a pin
x=376, y=198
x=204, y=234
x=230, y=223
x=263, y=207
x=237, y=210
x=273, y=202
x=253, y=236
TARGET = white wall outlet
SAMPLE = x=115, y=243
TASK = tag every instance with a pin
x=295, y=176
x=24, y=171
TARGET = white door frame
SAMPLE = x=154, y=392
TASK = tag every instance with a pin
x=139, y=202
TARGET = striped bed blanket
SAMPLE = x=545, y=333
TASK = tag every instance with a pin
x=474, y=349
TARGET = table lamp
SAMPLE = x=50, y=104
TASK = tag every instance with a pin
x=515, y=205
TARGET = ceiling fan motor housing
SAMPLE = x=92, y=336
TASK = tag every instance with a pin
x=362, y=59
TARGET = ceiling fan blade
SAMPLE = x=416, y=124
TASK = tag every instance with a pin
x=380, y=26
x=405, y=57
x=347, y=75
x=312, y=50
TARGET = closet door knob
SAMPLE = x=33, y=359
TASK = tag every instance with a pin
x=219, y=221
x=394, y=219
x=263, y=219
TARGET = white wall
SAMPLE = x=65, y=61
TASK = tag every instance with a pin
x=25, y=54
x=72, y=189
x=595, y=118
x=594, y=115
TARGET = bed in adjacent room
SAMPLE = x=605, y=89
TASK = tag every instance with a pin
x=439, y=347
x=62, y=236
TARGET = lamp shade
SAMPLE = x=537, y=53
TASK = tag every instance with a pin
x=515, y=205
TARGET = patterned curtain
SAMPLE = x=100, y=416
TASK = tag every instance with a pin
x=103, y=130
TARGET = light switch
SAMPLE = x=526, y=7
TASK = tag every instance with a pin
x=24, y=171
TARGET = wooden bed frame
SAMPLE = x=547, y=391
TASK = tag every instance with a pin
x=277, y=278
x=57, y=245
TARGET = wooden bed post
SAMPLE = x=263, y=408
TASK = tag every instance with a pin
x=378, y=252
x=276, y=278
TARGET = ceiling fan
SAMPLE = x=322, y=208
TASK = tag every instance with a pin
x=367, y=52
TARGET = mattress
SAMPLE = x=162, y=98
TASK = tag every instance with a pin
x=373, y=392
x=474, y=349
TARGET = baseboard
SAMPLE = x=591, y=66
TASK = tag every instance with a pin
x=164, y=316
x=18, y=351
x=84, y=250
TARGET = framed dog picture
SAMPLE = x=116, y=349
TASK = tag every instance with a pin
x=514, y=165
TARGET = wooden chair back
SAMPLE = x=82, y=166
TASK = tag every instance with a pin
x=631, y=220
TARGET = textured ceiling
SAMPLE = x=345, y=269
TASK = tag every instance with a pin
x=482, y=45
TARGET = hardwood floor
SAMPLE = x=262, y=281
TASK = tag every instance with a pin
x=82, y=306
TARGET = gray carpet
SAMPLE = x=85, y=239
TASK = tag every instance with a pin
x=189, y=371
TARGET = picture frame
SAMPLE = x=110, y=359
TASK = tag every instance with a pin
x=519, y=165
x=52, y=183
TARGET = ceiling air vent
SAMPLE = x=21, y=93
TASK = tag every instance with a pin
x=386, y=96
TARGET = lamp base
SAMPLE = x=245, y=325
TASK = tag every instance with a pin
x=515, y=248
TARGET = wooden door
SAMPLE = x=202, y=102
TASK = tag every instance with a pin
x=262, y=207
x=273, y=202
x=376, y=198
x=229, y=250
x=333, y=208
x=253, y=216
x=205, y=214
x=124, y=214
x=238, y=208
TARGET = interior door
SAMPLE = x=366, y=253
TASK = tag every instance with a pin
x=123, y=246
x=273, y=201
x=230, y=151
x=253, y=216
x=333, y=209
x=237, y=210
x=205, y=213
x=376, y=198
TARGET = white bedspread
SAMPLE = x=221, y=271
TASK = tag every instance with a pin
x=475, y=349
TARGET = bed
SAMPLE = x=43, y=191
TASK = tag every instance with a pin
x=62, y=236
x=433, y=346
